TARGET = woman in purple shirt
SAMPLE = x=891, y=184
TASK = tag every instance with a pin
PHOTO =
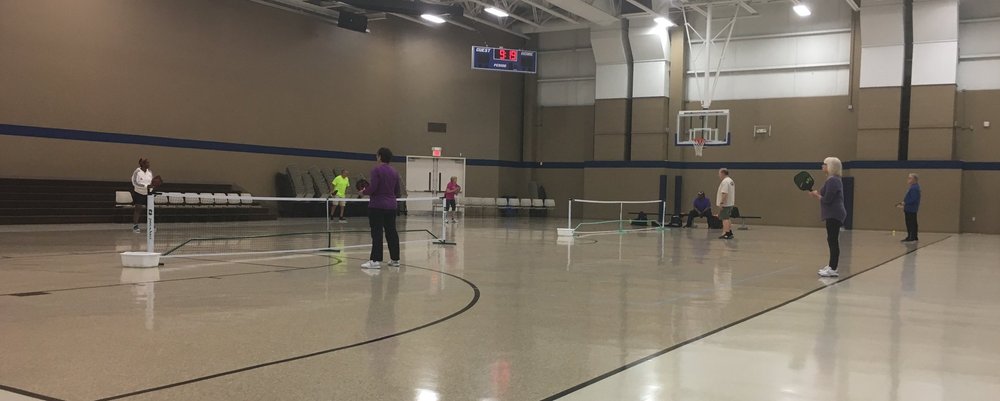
x=832, y=211
x=383, y=189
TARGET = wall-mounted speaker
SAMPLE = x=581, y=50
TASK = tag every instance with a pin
x=352, y=21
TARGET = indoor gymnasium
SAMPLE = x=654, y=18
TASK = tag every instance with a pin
x=492, y=200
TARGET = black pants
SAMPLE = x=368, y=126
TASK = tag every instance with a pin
x=695, y=213
x=833, y=240
x=911, y=225
x=383, y=221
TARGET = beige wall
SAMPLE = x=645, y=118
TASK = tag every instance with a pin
x=974, y=142
x=236, y=71
x=565, y=133
x=878, y=190
x=980, y=196
x=561, y=185
x=932, y=122
x=649, y=128
x=620, y=184
x=878, y=123
x=802, y=129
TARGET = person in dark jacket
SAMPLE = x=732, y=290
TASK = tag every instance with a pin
x=910, y=206
x=702, y=208
x=832, y=211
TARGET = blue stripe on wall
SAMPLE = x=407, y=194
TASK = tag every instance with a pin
x=94, y=136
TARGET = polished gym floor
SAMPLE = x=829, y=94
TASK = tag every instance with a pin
x=509, y=313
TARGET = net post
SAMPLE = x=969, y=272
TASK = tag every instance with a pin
x=150, y=222
x=326, y=203
x=663, y=215
x=569, y=214
x=444, y=231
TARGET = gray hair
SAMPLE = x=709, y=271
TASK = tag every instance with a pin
x=724, y=171
x=915, y=176
x=834, y=166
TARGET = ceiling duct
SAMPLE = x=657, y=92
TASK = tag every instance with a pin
x=414, y=8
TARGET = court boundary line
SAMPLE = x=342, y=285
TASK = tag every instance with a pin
x=27, y=393
x=700, y=337
x=472, y=302
x=213, y=276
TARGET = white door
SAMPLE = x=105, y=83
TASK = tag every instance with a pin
x=420, y=174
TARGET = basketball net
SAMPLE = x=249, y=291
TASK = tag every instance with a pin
x=699, y=146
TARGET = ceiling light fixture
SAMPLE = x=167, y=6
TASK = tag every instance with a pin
x=433, y=18
x=802, y=10
x=664, y=22
x=498, y=12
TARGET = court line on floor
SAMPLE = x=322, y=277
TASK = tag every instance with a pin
x=212, y=276
x=472, y=302
x=44, y=255
x=646, y=358
x=27, y=393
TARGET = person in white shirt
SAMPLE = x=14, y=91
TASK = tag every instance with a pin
x=142, y=178
x=726, y=199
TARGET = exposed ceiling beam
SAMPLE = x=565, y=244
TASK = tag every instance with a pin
x=699, y=10
x=750, y=9
x=586, y=11
x=303, y=8
x=417, y=20
x=509, y=12
x=459, y=24
x=406, y=7
x=495, y=26
x=550, y=11
x=644, y=8
x=552, y=26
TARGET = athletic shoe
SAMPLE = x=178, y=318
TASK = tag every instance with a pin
x=728, y=235
x=908, y=240
x=393, y=263
x=828, y=272
x=342, y=220
x=453, y=221
x=135, y=229
x=371, y=264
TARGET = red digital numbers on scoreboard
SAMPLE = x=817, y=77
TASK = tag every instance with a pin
x=507, y=54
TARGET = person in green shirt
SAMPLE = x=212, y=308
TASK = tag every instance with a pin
x=340, y=184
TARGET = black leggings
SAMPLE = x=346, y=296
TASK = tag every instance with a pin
x=383, y=221
x=911, y=225
x=833, y=240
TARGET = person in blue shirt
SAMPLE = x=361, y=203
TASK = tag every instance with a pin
x=910, y=206
x=702, y=208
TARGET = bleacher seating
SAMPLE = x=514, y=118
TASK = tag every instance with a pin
x=40, y=201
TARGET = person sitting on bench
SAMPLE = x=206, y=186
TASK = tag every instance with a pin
x=702, y=208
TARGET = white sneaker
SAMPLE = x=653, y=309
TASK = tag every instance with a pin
x=342, y=221
x=828, y=272
x=453, y=221
x=371, y=264
x=136, y=230
x=394, y=263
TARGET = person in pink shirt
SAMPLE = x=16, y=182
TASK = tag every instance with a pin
x=450, y=192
